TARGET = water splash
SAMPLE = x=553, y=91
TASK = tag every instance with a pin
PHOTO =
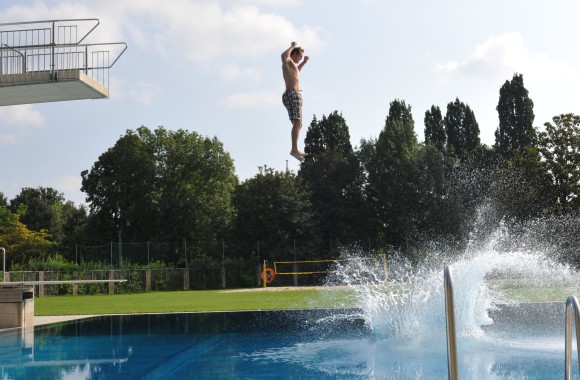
x=404, y=309
x=407, y=303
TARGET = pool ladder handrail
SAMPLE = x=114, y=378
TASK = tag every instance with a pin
x=450, y=322
x=572, y=306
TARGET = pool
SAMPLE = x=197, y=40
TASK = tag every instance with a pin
x=299, y=344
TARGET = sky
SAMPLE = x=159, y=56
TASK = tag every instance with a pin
x=214, y=67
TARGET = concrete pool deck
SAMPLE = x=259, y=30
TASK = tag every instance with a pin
x=45, y=320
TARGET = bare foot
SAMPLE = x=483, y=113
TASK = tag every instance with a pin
x=298, y=155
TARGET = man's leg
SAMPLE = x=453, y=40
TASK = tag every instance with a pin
x=296, y=127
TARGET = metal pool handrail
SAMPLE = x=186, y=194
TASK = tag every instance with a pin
x=450, y=319
x=572, y=306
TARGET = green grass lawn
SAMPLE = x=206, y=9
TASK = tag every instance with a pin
x=189, y=301
x=255, y=299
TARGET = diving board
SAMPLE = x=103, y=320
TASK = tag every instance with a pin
x=28, y=89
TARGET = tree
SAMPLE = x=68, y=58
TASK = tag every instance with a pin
x=469, y=184
x=559, y=146
x=523, y=189
x=392, y=175
x=273, y=208
x=161, y=185
x=328, y=133
x=462, y=129
x=334, y=175
x=75, y=220
x=431, y=192
x=516, y=117
x=45, y=208
x=435, y=128
x=21, y=243
x=196, y=178
x=122, y=190
x=38, y=207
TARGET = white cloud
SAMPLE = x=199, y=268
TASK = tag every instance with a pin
x=501, y=56
x=196, y=30
x=21, y=115
x=203, y=30
x=233, y=71
x=252, y=100
x=17, y=122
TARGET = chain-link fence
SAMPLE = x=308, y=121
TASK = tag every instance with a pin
x=187, y=255
x=154, y=266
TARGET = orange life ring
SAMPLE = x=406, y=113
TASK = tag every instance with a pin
x=268, y=275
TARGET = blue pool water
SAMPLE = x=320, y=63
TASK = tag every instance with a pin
x=272, y=345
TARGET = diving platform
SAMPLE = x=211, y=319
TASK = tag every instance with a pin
x=49, y=61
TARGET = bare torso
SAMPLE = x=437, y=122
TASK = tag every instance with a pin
x=291, y=74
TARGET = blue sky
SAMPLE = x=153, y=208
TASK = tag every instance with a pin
x=214, y=67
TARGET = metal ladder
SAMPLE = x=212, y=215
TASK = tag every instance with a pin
x=450, y=319
x=572, y=306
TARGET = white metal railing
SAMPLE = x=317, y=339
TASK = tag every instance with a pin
x=54, y=46
x=450, y=322
x=572, y=307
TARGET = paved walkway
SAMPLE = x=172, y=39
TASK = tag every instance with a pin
x=59, y=318
x=38, y=321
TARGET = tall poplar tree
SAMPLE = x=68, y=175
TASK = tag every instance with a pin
x=516, y=117
x=462, y=129
x=435, y=128
x=392, y=175
x=334, y=174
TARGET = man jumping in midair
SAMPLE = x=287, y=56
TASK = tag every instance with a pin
x=292, y=98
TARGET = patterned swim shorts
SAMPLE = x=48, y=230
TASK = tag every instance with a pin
x=293, y=102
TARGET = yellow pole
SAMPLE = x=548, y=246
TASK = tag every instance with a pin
x=264, y=274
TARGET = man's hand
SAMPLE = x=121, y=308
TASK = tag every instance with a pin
x=306, y=58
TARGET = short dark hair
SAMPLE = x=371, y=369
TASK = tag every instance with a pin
x=297, y=49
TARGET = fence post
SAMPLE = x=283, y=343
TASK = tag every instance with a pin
x=41, y=286
x=186, y=279
x=111, y=283
x=148, y=280
x=223, y=267
x=75, y=286
x=295, y=268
